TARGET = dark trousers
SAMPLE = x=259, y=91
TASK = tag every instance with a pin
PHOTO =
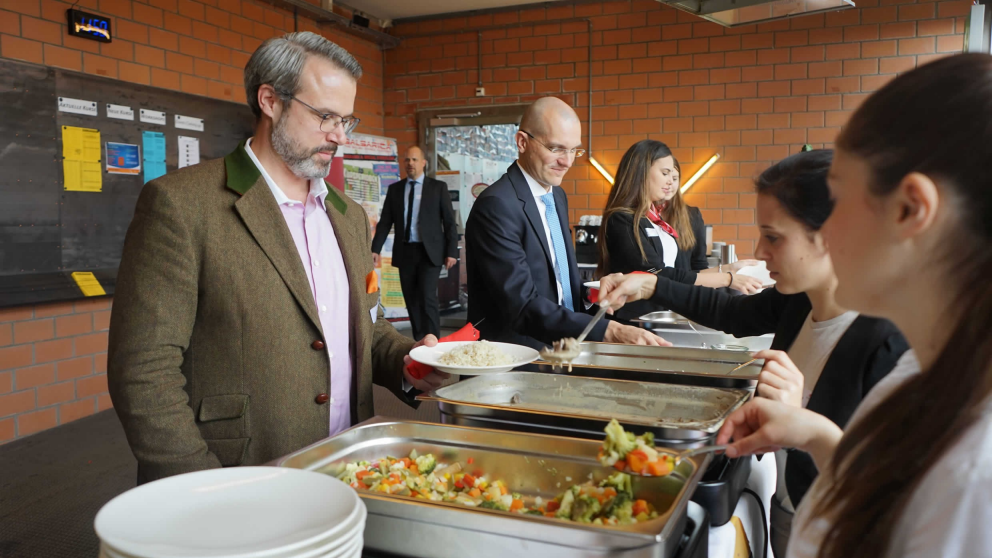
x=418, y=278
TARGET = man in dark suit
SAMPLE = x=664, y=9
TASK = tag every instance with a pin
x=522, y=273
x=426, y=239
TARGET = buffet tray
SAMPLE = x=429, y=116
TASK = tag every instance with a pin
x=581, y=406
x=533, y=465
x=673, y=365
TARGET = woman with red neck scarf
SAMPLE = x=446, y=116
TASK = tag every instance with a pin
x=648, y=225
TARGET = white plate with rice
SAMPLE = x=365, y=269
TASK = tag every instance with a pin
x=471, y=358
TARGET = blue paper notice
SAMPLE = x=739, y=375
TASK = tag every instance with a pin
x=153, y=149
x=153, y=170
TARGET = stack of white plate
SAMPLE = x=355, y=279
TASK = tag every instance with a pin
x=243, y=512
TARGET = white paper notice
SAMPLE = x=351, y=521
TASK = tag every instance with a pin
x=189, y=123
x=120, y=112
x=189, y=151
x=153, y=117
x=77, y=106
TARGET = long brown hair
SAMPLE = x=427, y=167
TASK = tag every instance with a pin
x=676, y=214
x=882, y=459
x=630, y=194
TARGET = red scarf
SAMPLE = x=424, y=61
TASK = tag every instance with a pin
x=654, y=215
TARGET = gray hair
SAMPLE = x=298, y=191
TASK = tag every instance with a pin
x=279, y=62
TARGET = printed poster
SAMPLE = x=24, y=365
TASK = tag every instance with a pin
x=123, y=158
x=370, y=164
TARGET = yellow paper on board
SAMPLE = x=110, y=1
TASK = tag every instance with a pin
x=88, y=284
x=80, y=144
x=83, y=176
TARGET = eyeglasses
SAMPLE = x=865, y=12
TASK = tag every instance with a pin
x=329, y=121
x=558, y=151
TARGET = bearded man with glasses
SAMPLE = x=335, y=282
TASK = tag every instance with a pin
x=522, y=273
x=246, y=322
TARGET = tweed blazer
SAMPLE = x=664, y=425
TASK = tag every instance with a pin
x=216, y=353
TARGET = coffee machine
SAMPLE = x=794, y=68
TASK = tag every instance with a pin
x=586, y=237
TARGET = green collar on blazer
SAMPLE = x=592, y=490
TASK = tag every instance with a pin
x=242, y=174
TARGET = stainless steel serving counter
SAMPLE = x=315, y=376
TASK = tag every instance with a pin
x=533, y=465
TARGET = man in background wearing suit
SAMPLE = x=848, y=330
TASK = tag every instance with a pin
x=246, y=321
x=522, y=273
x=426, y=239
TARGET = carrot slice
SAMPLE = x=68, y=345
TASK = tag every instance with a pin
x=516, y=505
x=620, y=465
x=659, y=468
x=640, y=506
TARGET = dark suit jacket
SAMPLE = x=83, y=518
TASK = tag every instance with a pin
x=625, y=256
x=211, y=359
x=511, y=280
x=436, y=222
x=867, y=351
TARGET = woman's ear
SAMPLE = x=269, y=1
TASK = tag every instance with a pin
x=912, y=206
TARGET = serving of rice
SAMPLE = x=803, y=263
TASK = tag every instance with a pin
x=480, y=353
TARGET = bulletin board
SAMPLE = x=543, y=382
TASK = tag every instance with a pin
x=60, y=212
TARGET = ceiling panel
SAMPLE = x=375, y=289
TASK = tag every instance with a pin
x=401, y=9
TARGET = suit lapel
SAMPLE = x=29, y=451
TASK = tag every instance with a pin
x=529, y=205
x=261, y=215
x=425, y=192
x=645, y=226
x=561, y=206
x=356, y=255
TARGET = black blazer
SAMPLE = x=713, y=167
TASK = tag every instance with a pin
x=625, y=256
x=511, y=280
x=867, y=351
x=436, y=222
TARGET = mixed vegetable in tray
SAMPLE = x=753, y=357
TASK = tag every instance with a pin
x=624, y=451
x=610, y=502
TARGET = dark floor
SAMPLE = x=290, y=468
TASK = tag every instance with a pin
x=53, y=483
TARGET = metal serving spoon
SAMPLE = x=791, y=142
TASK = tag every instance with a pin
x=567, y=350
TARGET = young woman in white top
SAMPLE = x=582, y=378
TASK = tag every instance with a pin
x=911, y=240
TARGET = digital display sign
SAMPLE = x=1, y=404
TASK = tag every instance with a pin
x=89, y=26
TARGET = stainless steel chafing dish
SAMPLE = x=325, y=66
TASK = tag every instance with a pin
x=531, y=464
x=673, y=365
x=678, y=415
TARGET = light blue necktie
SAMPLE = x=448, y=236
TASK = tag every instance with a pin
x=558, y=245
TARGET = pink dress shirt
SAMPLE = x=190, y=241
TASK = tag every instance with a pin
x=321, y=257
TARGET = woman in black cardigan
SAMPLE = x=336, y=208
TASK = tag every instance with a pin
x=669, y=234
x=841, y=354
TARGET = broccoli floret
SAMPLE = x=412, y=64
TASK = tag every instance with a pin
x=648, y=438
x=620, y=482
x=493, y=505
x=621, y=509
x=565, y=508
x=426, y=464
x=533, y=512
x=620, y=506
x=617, y=443
x=585, y=508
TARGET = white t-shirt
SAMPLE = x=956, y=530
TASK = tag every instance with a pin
x=810, y=351
x=669, y=246
x=537, y=190
x=950, y=513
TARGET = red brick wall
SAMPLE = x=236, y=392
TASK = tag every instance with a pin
x=53, y=365
x=194, y=46
x=753, y=94
x=53, y=357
